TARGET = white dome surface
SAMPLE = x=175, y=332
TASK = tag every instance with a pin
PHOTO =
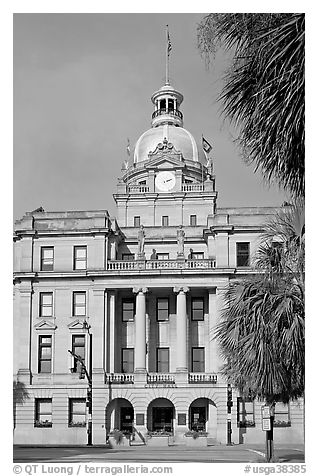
x=181, y=139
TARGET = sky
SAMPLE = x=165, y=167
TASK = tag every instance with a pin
x=82, y=86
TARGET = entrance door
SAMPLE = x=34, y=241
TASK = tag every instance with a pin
x=126, y=419
x=198, y=418
x=162, y=419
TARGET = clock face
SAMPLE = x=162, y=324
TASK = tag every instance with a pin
x=165, y=181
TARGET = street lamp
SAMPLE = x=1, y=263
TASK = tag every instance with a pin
x=229, y=414
x=89, y=375
x=89, y=402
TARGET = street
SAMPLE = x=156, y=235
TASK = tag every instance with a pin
x=213, y=454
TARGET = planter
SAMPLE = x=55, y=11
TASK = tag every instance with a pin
x=115, y=443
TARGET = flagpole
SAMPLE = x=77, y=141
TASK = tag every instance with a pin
x=167, y=55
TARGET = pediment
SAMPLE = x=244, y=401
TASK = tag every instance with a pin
x=45, y=325
x=164, y=162
x=76, y=325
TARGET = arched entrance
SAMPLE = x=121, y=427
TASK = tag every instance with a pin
x=120, y=416
x=160, y=416
x=203, y=416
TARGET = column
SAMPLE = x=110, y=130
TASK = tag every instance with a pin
x=212, y=351
x=182, y=355
x=140, y=330
x=97, y=322
x=24, y=336
x=111, y=332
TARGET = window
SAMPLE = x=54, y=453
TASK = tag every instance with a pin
x=45, y=354
x=198, y=359
x=162, y=256
x=143, y=182
x=245, y=412
x=162, y=104
x=193, y=220
x=128, y=257
x=197, y=255
x=127, y=361
x=77, y=412
x=162, y=360
x=281, y=416
x=78, y=348
x=197, y=418
x=128, y=309
x=43, y=413
x=197, y=309
x=137, y=222
x=242, y=254
x=80, y=257
x=162, y=309
x=79, y=303
x=46, y=304
x=164, y=221
x=47, y=258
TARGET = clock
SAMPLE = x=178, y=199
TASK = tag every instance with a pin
x=165, y=181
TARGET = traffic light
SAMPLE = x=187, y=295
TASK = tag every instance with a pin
x=229, y=397
x=89, y=398
x=82, y=372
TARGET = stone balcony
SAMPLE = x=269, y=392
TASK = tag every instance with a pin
x=119, y=378
x=161, y=378
x=136, y=265
x=202, y=378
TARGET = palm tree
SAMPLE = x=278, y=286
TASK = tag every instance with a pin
x=264, y=88
x=261, y=333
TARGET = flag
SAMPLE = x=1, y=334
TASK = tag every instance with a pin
x=169, y=47
x=207, y=147
x=128, y=147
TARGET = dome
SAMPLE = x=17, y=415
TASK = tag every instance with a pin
x=182, y=140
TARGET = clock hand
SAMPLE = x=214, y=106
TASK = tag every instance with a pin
x=169, y=180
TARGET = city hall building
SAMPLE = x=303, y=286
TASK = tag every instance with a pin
x=136, y=297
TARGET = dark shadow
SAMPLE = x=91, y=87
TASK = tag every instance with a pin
x=20, y=395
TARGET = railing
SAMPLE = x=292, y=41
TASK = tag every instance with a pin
x=118, y=265
x=194, y=187
x=138, y=189
x=200, y=263
x=160, y=378
x=202, y=378
x=171, y=112
x=119, y=378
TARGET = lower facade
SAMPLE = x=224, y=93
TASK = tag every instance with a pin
x=158, y=414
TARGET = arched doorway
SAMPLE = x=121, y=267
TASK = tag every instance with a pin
x=120, y=416
x=203, y=416
x=160, y=416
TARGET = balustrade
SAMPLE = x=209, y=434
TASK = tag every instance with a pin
x=119, y=265
x=138, y=188
x=193, y=187
x=119, y=378
x=160, y=378
x=202, y=378
x=172, y=112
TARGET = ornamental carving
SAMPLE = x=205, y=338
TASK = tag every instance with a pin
x=165, y=148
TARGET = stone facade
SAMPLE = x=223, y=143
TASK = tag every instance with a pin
x=149, y=286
